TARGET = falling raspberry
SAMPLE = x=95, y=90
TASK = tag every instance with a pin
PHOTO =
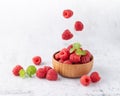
x=67, y=35
x=78, y=26
x=67, y=13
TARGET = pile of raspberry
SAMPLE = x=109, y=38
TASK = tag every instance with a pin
x=73, y=54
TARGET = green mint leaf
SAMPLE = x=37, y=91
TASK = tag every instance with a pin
x=72, y=50
x=31, y=70
x=22, y=73
x=83, y=52
x=76, y=45
x=80, y=52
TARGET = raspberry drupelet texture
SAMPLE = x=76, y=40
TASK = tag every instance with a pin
x=78, y=26
x=67, y=13
x=95, y=77
x=67, y=35
x=37, y=60
x=85, y=80
x=52, y=75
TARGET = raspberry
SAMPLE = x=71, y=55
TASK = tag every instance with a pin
x=46, y=68
x=74, y=58
x=86, y=58
x=61, y=61
x=67, y=13
x=69, y=47
x=16, y=70
x=64, y=54
x=67, y=35
x=78, y=26
x=52, y=75
x=41, y=73
x=37, y=60
x=57, y=57
x=67, y=62
x=95, y=77
x=85, y=80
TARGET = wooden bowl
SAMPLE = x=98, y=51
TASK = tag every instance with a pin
x=72, y=71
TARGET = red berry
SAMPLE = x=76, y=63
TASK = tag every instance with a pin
x=78, y=26
x=41, y=73
x=57, y=57
x=16, y=70
x=74, y=58
x=37, y=60
x=52, y=75
x=69, y=47
x=46, y=68
x=64, y=54
x=86, y=58
x=85, y=80
x=67, y=62
x=61, y=61
x=67, y=35
x=67, y=13
x=95, y=77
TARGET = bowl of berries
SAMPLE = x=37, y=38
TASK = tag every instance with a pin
x=73, y=61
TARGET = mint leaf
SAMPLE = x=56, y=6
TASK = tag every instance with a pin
x=31, y=70
x=72, y=50
x=80, y=52
x=22, y=73
x=76, y=45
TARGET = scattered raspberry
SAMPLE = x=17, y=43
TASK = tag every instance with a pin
x=78, y=26
x=64, y=54
x=85, y=80
x=86, y=58
x=41, y=73
x=67, y=13
x=37, y=60
x=16, y=70
x=67, y=62
x=95, y=77
x=46, y=68
x=67, y=35
x=74, y=58
x=52, y=75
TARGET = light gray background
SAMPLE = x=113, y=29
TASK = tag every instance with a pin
x=34, y=27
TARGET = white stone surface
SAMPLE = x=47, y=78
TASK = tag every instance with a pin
x=34, y=27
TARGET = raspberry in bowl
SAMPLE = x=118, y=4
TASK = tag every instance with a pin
x=72, y=62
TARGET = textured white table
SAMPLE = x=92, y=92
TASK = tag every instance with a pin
x=31, y=27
